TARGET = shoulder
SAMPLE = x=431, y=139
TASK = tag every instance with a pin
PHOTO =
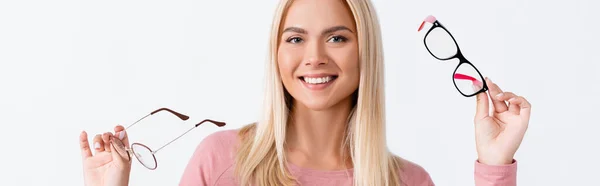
x=219, y=148
x=221, y=141
x=213, y=157
x=412, y=173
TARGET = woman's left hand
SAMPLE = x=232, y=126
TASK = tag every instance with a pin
x=498, y=135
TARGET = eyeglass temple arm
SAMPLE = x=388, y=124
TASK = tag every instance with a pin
x=467, y=77
x=179, y=115
x=217, y=123
x=429, y=19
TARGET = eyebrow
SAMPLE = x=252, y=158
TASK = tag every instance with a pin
x=326, y=31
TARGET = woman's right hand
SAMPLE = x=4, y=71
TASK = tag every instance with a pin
x=105, y=166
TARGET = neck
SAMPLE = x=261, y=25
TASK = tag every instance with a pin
x=315, y=138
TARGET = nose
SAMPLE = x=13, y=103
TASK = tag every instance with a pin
x=315, y=55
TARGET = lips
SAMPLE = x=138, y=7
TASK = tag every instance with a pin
x=318, y=79
x=317, y=82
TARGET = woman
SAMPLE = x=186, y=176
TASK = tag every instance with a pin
x=323, y=120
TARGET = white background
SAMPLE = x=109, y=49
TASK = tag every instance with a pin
x=68, y=66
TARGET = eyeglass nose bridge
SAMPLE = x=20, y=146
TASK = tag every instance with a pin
x=121, y=149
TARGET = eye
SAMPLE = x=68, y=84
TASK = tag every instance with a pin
x=337, y=39
x=294, y=40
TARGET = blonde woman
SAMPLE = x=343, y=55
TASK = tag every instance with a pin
x=324, y=117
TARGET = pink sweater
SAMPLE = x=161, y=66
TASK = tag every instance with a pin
x=213, y=164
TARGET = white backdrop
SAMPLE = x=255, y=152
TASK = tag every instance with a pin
x=68, y=66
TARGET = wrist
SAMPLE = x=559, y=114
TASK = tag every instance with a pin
x=506, y=161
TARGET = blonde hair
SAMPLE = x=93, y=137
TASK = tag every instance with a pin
x=261, y=158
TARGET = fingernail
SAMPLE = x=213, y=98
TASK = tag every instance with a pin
x=500, y=95
x=97, y=145
x=121, y=135
x=511, y=99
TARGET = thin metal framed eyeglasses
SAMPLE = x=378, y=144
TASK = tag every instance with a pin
x=144, y=154
x=442, y=45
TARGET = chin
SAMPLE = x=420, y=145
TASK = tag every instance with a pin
x=318, y=104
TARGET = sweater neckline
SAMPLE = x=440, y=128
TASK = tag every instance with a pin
x=303, y=171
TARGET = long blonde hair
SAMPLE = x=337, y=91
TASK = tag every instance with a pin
x=260, y=159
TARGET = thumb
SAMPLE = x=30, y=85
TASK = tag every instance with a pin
x=482, y=109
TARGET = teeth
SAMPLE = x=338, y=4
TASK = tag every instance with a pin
x=318, y=80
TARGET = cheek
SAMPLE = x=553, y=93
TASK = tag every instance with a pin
x=348, y=62
x=287, y=61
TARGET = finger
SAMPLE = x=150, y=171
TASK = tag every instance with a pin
x=122, y=159
x=525, y=108
x=121, y=134
x=106, y=140
x=98, y=143
x=482, y=109
x=499, y=106
x=523, y=104
x=84, y=144
x=512, y=108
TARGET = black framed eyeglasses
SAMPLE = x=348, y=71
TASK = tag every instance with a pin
x=143, y=153
x=442, y=45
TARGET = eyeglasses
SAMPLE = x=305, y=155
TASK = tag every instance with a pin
x=442, y=45
x=142, y=152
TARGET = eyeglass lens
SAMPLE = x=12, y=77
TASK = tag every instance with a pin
x=144, y=155
x=467, y=80
x=440, y=43
x=120, y=148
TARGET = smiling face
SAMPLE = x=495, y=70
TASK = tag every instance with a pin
x=318, y=53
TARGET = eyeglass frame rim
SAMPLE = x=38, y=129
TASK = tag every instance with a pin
x=183, y=117
x=461, y=58
x=130, y=151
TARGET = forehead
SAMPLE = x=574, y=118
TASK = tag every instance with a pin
x=318, y=14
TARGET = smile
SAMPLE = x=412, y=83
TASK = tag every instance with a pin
x=318, y=82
